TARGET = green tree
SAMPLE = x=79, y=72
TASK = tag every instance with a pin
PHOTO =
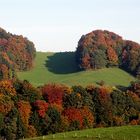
x=54, y=120
x=98, y=59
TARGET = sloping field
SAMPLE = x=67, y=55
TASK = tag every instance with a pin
x=112, y=133
x=61, y=68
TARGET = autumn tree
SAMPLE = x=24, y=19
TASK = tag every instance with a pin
x=26, y=91
x=16, y=53
x=112, y=57
x=99, y=49
x=53, y=93
x=24, y=109
x=41, y=107
x=75, y=118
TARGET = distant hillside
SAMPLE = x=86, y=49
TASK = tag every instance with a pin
x=62, y=68
x=16, y=53
x=101, y=49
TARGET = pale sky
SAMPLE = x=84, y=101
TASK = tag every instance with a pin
x=57, y=25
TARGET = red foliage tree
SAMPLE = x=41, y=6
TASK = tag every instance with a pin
x=41, y=107
x=86, y=61
x=74, y=114
x=53, y=93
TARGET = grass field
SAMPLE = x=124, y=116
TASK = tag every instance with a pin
x=61, y=68
x=112, y=133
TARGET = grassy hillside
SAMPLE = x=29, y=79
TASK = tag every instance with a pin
x=112, y=133
x=61, y=68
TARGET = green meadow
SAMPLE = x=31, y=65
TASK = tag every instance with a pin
x=61, y=68
x=111, y=133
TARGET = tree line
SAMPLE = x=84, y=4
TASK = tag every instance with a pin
x=26, y=111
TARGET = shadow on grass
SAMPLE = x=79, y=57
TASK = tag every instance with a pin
x=62, y=63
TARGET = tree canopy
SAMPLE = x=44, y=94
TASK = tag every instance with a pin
x=16, y=53
x=99, y=49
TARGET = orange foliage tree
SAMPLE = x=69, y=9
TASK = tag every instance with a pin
x=41, y=107
x=6, y=87
x=24, y=109
x=112, y=56
x=88, y=117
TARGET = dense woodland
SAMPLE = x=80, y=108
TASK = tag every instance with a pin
x=16, y=53
x=28, y=111
x=100, y=49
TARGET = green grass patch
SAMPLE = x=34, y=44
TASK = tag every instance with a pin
x=61, y=68
x=111, y=133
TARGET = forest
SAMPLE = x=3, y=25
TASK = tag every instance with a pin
x=16, y=54
x=100, y=49
x=28, y=111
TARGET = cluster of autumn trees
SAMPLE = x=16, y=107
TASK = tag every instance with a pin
x=26, y=111
x=16, y=53
x=100, y=49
